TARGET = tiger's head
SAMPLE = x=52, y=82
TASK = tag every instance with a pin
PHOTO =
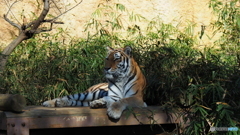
x=117, y=63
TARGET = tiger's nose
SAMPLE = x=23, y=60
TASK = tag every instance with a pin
x=106, y=68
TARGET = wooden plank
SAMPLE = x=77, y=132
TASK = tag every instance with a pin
x=38, y=111
x=18, y=126
x=68, y=117
x=88, y=121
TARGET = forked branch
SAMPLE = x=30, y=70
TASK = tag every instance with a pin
x=27, y=31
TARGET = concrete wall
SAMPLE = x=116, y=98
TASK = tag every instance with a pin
x=170, y=11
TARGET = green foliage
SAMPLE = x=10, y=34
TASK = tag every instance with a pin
x=202, y=84
x=110, y=19
x=228, y=23
x=42, y=69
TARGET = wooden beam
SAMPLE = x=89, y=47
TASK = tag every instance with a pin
x=36, y=117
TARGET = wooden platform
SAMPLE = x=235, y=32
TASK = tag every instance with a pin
x=36, y=120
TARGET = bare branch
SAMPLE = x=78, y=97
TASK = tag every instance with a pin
x=44, y=21
x=51, y=21
x=8, y=20
x=9, y=9
x=42, y=30
x=66, y=11
x=12, y=23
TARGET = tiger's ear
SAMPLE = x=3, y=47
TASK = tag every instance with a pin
x=128, y=50
x=109, y=49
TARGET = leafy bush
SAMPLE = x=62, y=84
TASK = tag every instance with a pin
x=41, y=70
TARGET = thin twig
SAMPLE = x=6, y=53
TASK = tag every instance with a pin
x=56, y=6
x=9, y=9
x=66, y=11
x=9, y=21
x=10, y=6
x=42, y=30
x=50, y=21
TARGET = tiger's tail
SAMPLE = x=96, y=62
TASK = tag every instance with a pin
x=80, y=99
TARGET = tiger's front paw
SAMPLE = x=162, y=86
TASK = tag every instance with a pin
x=115, y=110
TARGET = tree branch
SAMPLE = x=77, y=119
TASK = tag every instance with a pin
x=40, y=19
x=44, y=21
x=12, y=23
x=42, y=30
x=8, y=20
x=9, y=7
x=50, y=20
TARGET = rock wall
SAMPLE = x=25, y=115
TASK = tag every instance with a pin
x=170, y=11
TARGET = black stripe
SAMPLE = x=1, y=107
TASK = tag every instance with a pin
x=72, y=103
x=116, y=96
x=114, y=99
x=113, y=91
x=102, y=93
x=135, y=93
x=129, y=89
x=94, y=93
x=81, y=103
x=75, y=103
x=105, y=93
x=69, y=97
x=130, y=79
x=79, y=96
x=127, y=65
x=85, y=97
x=113, y=84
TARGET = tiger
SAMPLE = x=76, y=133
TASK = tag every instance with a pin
x=124, y=88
